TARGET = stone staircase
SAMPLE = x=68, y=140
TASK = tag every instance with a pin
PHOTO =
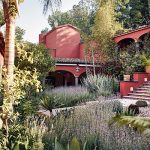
x=141, y=93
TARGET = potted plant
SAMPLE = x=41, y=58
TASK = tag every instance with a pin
x=146, y=61
x=127, y=73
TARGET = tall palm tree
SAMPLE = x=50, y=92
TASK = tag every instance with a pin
x=10, y=9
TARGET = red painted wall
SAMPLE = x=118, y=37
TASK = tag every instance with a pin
x=72, y=69
x=140, y=77
x=82, y=53
x=125, y=87
x=138, y=80
x=42, y=38
x=65, y=40
x=135, y=34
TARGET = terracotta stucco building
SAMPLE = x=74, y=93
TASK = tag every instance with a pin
x=66, y=48
x=134, y=36
x=64, y=43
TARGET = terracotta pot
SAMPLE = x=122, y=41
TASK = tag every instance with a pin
x=147, y=69
x=126, y=77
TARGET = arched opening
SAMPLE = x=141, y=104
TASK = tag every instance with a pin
x=123, y=44
x=81, y=77
x=144, y=42
x=127, y=45
x=60, y=78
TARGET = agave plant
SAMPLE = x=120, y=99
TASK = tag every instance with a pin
x=74, y=145
x=49, y=102
x=101, y=84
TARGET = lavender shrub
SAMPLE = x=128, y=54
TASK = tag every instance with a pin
x=70, y=96
x=89, y=124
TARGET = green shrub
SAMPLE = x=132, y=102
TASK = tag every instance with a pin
x=25, y=136
x=74, y=145
x=117, y=107
x=50, y=102
x=89, y=124
x=69, y=96
x=28, y=90
x=19, y=103
x=132, y=62
x=145, y=59
x=101, y=84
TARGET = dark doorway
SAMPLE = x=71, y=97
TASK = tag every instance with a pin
x=60, y=78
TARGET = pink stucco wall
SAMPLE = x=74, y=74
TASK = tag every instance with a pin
x=138, y=80
x=135, y=34
x=72, y=69
x=50, y=40
x=82, y=53
x=64, y=42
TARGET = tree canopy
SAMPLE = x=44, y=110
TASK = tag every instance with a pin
x=133, y=13
x=30, y=56
x=81, y=15
x=19, y=33
x=105, y=27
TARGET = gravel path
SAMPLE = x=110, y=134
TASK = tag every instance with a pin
x=144, y=111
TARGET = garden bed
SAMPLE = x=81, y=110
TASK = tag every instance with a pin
x=90, y=123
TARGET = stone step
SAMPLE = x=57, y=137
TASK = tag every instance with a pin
x=146, y=83
x=141, y=91
x=143, y=88
x=140, y=94
x=136, y=97
x=147, y=86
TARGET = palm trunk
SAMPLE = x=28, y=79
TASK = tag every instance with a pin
x=10, y=48
x=9, y=64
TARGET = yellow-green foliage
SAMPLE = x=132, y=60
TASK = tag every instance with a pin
x=22, y=96
x=31, y=56
x=105, y=26
x=139, y=123
x=2, y=22
x=74, y=145
x=146, y=60
x=25, y=85
x=25, y=136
